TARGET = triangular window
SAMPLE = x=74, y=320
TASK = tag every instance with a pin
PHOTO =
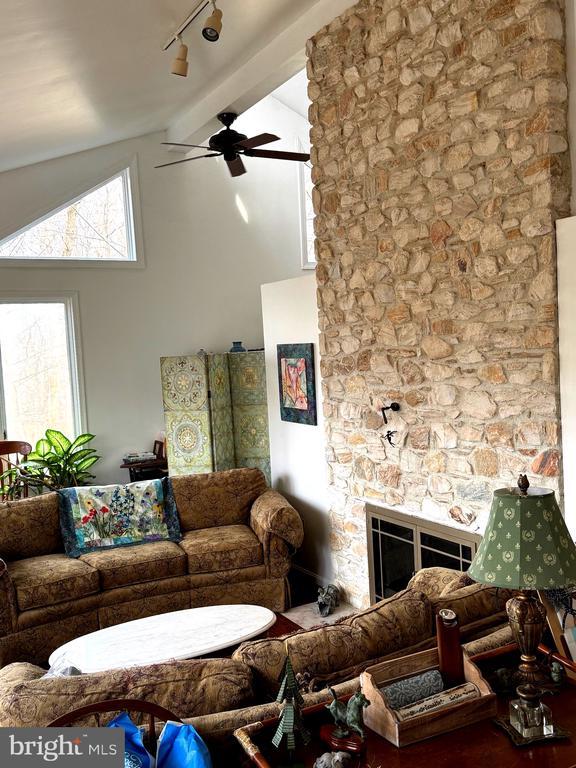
x=97, y=226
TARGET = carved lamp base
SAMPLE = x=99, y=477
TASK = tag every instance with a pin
x=527, y=617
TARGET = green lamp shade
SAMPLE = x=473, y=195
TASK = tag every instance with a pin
x=526, y=544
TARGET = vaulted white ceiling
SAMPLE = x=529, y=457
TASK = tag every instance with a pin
x=76, y=74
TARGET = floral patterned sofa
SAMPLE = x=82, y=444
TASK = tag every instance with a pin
x=238, y=537
x=220, y=695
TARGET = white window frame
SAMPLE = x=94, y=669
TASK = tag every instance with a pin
x=418, y=525
x=73, y=342
x=306, y=263
x=128, y=170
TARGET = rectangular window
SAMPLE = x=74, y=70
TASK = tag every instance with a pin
x=38, y=371
x=308, y=253
x=96, y=226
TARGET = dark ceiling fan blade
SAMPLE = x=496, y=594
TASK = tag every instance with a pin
x=175, y=144
x=257, y=141
x=276, y=154
x=188, y=159
x=236, y=166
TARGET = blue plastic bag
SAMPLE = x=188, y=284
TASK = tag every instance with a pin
x=135, y=753
x=181, y=746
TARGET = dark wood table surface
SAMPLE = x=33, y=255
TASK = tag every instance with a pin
x=482, y=745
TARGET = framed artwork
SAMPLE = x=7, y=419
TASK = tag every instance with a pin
x=560, y=605
x=296, y=383
x=307, y=236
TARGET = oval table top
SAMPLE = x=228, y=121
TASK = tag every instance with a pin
x=164, y=637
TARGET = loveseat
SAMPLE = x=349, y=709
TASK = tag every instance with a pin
x=238, y=536
x=220, y=695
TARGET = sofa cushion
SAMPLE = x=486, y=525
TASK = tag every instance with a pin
x=187, y=688
x=50, y=579
x=106, y=516
x=392, y=624
x=218, y=498
x=397, y=622
x=30, y=527
x=221, y=549
x=133, y=565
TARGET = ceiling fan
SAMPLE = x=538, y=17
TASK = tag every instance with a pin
x=231, y=145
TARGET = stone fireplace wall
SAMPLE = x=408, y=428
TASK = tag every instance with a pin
x=440, y=164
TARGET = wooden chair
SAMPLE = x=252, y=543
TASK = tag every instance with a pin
x=120, y=705
x=13, y=453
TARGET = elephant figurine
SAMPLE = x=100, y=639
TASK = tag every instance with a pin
x=333, y=760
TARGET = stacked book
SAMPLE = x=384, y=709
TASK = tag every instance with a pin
x=138, y=457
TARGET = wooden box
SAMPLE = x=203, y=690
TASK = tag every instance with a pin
x=381, y=719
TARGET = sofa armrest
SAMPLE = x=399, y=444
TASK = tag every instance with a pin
x=272, y=514
x=8, y=605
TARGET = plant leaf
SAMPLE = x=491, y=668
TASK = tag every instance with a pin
x=43, y=447
x=76, y=458
x=86, y=463
x=81, y=440
x=33, y=463
x=58, y=441
x=34, y=456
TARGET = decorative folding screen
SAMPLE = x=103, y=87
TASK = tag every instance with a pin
x=250, y=410
x=216, y=412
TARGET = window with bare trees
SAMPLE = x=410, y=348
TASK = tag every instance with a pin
x=97, y=226
x=38, y=369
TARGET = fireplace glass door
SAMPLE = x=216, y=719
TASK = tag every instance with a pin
x=400, y=545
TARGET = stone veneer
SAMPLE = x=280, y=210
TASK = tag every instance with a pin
x=440, y=165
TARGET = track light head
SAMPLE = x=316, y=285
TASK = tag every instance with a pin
x=213, y=26
x=180, y=63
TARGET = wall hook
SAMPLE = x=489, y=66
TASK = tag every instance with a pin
x=391, y=407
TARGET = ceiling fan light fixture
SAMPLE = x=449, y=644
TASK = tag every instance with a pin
x=213, y=25
x=180, y=63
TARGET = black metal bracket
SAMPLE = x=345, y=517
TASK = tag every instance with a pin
x=392, y=407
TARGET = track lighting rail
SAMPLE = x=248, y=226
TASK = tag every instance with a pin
x=194, y=13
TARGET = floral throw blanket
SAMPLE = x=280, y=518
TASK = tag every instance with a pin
x=97, y=517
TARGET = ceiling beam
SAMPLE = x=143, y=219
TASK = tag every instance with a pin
x=275, y=63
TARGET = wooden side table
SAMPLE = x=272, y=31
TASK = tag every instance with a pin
x=481, y=745
x=146, y=470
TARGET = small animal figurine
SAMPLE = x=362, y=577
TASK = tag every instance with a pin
x=337, y=710
x=348, y=717
x=557, y=672
x=304, y=680
x=328, y=599
x=503, y=680
x=333, y=760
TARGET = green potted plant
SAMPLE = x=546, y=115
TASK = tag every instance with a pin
x=12, y=484
x=56, y=462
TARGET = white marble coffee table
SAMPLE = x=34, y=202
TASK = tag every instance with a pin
x=166, y=637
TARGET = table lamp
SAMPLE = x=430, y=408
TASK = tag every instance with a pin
x=526, y=547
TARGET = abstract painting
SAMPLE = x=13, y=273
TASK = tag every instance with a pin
x=296, y=383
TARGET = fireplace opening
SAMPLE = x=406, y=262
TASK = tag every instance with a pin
x=400, y=544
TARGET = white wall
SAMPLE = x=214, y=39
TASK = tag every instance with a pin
x=201, y=283
x=297, y=451
x=566, y=242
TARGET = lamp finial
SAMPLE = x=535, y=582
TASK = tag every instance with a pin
x=523, y=484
